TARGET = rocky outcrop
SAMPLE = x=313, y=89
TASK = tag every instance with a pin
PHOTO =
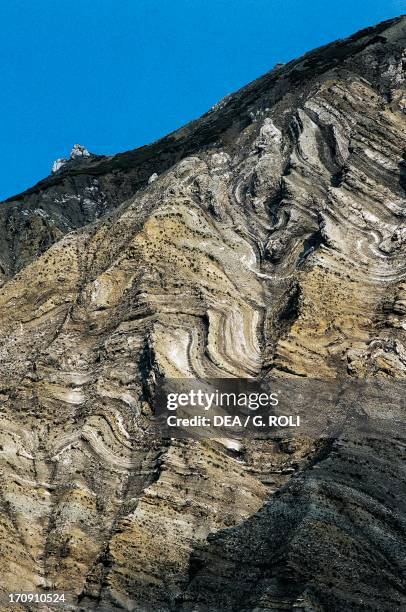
x=266, y=237
x=78, y=152
x=332, y=539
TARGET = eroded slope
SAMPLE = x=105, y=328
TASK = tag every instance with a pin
x=276, y=245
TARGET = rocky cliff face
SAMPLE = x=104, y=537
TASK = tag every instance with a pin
x=271, y=239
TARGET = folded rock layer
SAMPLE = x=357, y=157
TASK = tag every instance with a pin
x=267, y=237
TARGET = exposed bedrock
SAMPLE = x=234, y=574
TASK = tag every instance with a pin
x=271, y=238
x=332, y=539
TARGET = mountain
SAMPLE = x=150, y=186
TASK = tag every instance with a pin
x=267, y=237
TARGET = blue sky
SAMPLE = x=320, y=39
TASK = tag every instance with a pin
x=117, y=74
